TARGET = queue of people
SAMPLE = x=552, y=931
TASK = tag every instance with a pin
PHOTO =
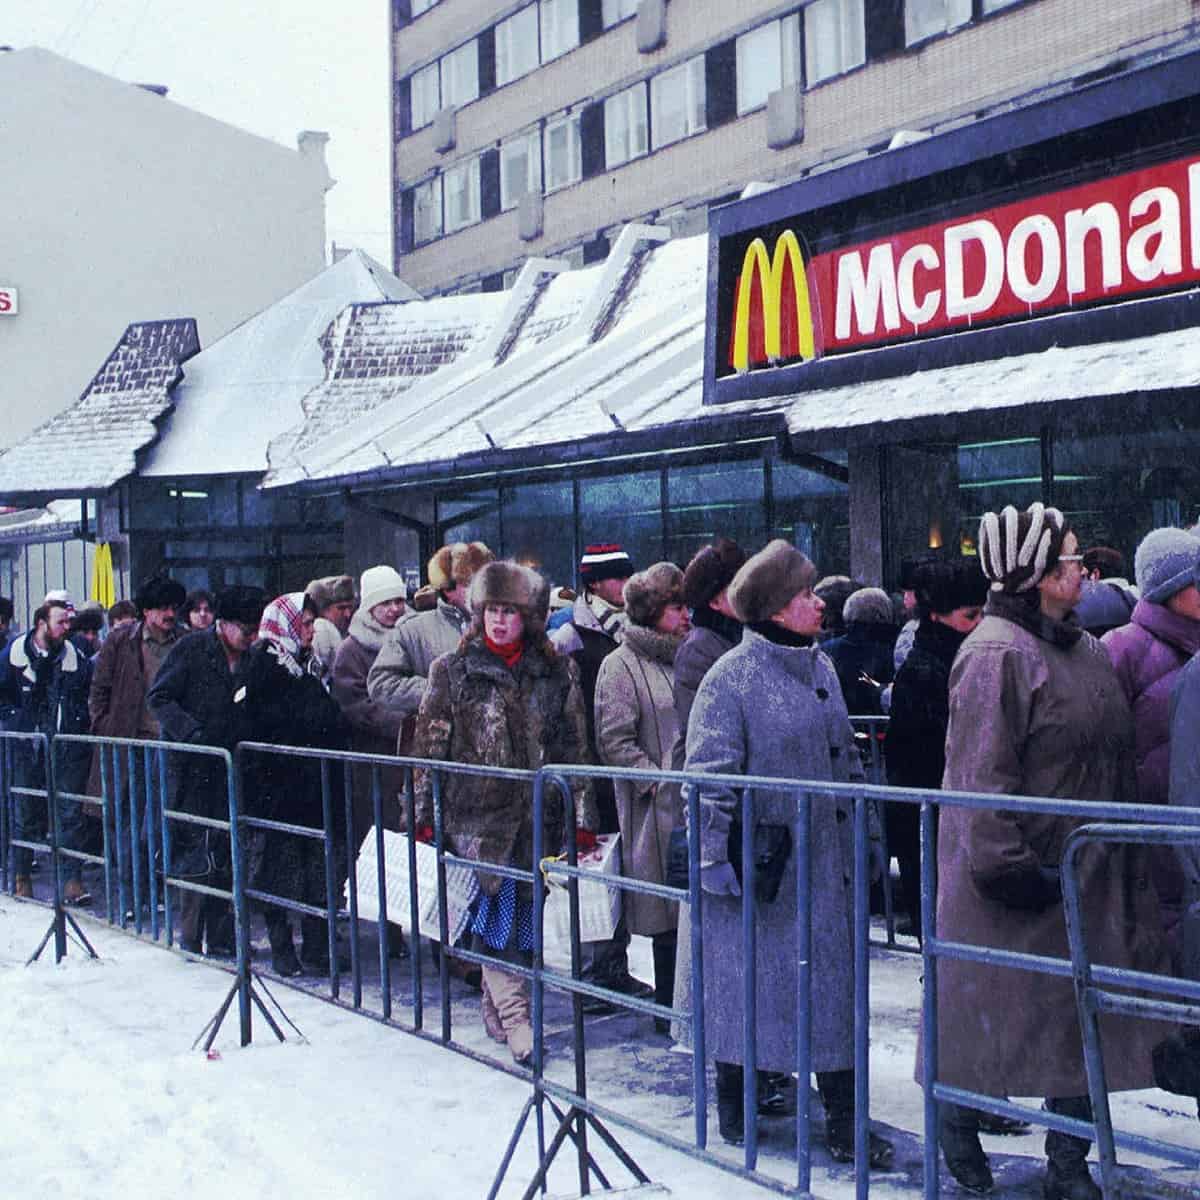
x=744, y=663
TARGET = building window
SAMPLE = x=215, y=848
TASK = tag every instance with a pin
x=626, y=128
x=927, y=18
x=624, y=508
x=516, y=45
x=460, y=76
x=461, y=183
x=834, y=38
x=560, y=27
x=615, y=11
x=520, y=169
x=426, y=96
x=768, y=58
x=420, y=6
x=991, y=6
x=811, y=507
x=427, y=210
x=710, y=500
x=564, y=163
x=677, y=102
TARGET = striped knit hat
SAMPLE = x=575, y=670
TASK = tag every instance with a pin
x=604, y=560
x=1017, y=549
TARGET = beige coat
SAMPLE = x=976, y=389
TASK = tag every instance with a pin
x=636, y=726
x=1036, y=709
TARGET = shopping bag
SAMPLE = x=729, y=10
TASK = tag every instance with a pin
x=462, y=886
x=599, y=904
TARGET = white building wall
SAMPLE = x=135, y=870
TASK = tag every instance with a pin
x=119, y=205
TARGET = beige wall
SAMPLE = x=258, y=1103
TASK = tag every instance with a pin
x=1005, y=56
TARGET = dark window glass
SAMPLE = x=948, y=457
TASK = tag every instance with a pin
x=812, y=510
x=403, y=112
x=713, y=500
x=472, y=517
x=625, y=509
x=539, y=528
x=154, y=504
x=720, y=83
x=596, y=250
x=591, y=140
x=487, y=60
x=884, y=27
x=489, y=183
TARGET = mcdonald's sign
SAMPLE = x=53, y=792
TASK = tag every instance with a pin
x=773, y=319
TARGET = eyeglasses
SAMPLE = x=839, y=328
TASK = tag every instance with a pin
x=1070, y=558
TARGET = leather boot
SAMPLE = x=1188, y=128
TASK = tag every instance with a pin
x=730, y=1111
x=283, y=953
x=23, y=887
x=510, y=994
x=1067, y=1175
x=491, y=1018
x=837, y=1095
x=665, y=945
x=958, y=1134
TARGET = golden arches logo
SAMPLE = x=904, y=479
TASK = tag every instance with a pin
x=770, y=272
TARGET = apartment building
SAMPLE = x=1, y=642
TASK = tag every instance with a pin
x=539, y=128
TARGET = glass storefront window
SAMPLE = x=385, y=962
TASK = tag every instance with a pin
x=1115, y=487
x=812, y=511
x=472, y=517
x=539, y=528
x=712, y=500
x=625, y=509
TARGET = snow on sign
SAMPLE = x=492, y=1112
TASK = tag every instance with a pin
x=1108, y=240
x=8, y=301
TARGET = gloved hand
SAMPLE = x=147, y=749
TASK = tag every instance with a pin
x=585, y=841
x=424, y=834
x=718, y=879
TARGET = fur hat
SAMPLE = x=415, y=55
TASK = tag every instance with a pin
x=943, y=586
x=242, y=603
x=647, y=593
x=868, y=606
x=160, y=592
x=380, y=584
x=457, y=563
x=1017, y=549
x=767, y=581
x=425, y=598
x=711, y=570
x=1167, y=561
x=604, y=560
x=333, y=589
x=510, y=583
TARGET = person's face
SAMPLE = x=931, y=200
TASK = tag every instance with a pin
x=159, y=620
x=1061, y=587
x=802, y=613
x=389, y=612
x=121, y=622
x=611, y=591
x=720, y=603
x=55, y=626
x=503, y=623
x=962, y=619
x=458, y=595
x=236, y=636
x=304, y=628
x=201, y=616
x=339, y=614
x=674, y=620
x=910, y=600
x=1186, y=603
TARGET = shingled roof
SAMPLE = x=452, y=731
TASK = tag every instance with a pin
x=92, y=445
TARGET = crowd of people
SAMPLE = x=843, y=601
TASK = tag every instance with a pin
x=1033, y=668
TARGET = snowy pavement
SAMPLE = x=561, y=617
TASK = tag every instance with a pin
x=103, y=1097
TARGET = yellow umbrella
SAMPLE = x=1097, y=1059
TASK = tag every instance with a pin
x=103, y=587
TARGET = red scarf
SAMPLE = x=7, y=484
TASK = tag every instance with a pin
x=510, y=653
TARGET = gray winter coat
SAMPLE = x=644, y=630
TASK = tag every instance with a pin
x=635, y=727
x=400, y=673
x=768, y=709
x=1185, y=791
x=1036, y=709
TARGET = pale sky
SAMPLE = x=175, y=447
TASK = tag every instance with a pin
x=272, y=67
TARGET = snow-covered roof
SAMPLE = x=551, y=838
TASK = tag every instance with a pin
x=240, y=392
x=93, y=444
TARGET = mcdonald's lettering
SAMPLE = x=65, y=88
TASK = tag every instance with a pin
x=1094, y=243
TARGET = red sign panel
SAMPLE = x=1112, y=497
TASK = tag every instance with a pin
x=1103, y=241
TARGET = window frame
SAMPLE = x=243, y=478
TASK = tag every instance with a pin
x=415, y=85
x=787, y=68
x=842, y=7
x=611, y=106
x=692, y=72
x=569, y=121
x=505, y=41
x=450, y=64
x=557, y=8
x=471, y=168
x=533, y=168
x=625, y=10
x=434, y=185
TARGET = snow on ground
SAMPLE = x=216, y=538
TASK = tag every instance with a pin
x=104, y=1098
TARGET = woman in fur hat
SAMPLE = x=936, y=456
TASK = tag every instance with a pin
x=636, y=726
x=772, y=706
x=1036, y=709
x=502, y=699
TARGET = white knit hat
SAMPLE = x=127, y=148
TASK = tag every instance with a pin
x=379, y=584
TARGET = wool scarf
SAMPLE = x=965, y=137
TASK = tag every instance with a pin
x=510, y=653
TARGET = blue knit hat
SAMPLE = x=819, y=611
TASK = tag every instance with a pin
x=1167, y=561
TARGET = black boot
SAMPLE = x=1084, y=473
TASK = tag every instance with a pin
x=664, y=976
x=958, y=1134
x=730, y=1112
x=1177, y=1063
x=1067, y=1175
x=837, y=1095
x=283, y=954
x=776, y=1094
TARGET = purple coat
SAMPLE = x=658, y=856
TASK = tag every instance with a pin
x=1148, y=655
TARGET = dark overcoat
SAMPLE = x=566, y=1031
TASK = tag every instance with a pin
x=477, y=710
x=769, y=709
x=1036, y=710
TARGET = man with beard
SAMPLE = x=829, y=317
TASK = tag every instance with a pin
x=44, y=685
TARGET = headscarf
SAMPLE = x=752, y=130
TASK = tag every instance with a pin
x=280, y=628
